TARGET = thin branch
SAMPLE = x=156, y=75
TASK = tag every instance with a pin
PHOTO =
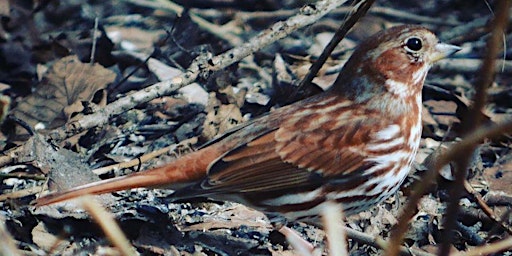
x=488, y=249
x=332, y=218
x=376, y=10
x=95, y=35
x=279, y=30
x=109, y=226
x=472, y=121
x=7, y=242
x=380, y=244
x=486, y=209
x=423, y=185
x=358, y=11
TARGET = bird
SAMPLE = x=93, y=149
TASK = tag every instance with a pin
x=353, y=144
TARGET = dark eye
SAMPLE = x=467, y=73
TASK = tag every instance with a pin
x=414, y=44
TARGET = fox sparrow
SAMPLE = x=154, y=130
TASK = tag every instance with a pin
x=353, y=144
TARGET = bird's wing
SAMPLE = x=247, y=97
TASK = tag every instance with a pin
x=255, y=166
x=303, y=151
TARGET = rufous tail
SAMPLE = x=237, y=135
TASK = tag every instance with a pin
x=186, y=169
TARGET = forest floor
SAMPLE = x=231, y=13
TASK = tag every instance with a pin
x=48, y=84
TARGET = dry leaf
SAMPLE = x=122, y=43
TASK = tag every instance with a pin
x=66, y=84
x=220, y=118
x=499, y=177
x=444, y=112
x=46, y=240
x=66, y=168
x=231, y=218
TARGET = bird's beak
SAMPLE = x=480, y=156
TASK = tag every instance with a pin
x=444, y=50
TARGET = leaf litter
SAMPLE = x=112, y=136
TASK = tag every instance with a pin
x=70, y=88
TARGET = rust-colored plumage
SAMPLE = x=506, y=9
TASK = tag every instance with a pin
x=353, y=143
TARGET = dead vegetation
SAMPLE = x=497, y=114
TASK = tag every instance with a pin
x=108, y=88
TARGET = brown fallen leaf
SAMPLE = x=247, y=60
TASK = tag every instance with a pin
x=231, y=218
x=444, y=112
x=66, y=168
x=66, y=84
x=499, y=177
x=220, y=118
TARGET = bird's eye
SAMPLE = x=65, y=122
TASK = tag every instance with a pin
x=414, y=44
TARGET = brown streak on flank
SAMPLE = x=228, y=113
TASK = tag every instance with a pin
x=398, y=135
x=370, y=187
x=383, y=171
x=402, y=162
x=389, y=150
x=411, y=122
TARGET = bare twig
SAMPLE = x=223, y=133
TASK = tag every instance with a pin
x=488, y=249
x=379, y=243
x=376, y=10
x=488, y=68
x=473, y=29
x=300, y=246
x=95, y=34
x=463, y=29
x=456, y=151
x=20, y=193
x=358, y=11
x=108, y=225
x=7, y=243
x=278, y=31
x=472, y=121
x=486, y=209
x=332, y=217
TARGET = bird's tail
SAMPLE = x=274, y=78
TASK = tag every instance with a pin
x=186, y=169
